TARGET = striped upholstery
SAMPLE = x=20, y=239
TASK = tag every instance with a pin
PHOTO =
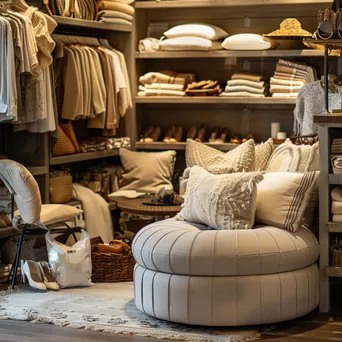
x=227, y=301
x=184, y=248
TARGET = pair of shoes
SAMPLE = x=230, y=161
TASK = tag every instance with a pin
x=196, y=134
x=151, y=134
x=174, y=134
x=218, y=135
x=39, y=275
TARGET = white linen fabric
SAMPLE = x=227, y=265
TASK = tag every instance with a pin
x=220, y=201
x=248, y=41
x=189, y=44
x=283, y=198
x=206, y=31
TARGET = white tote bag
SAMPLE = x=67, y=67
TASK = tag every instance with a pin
x=71, y=265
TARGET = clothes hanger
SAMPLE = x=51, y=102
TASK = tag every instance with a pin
x=19, y=5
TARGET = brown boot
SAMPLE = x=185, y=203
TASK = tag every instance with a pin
x=201, y=134
x=170, y=132
x=154, y=135
x=178, y=135
x=192, y=132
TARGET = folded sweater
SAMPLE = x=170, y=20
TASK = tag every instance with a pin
x=275, y=80
x=241, y=94
x=248, y=77
x=243, y=82
x=285, y=95
x=164, y=86
x=337, y=218
x=116, y=6
x=115, y=21
x=149, y=45
x=248, y=89
x=336, y=207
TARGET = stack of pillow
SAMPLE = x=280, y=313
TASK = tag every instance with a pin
x=166, y=83
x=193, y=37
x=289, y=78
x=245, y=85
x=233, y=190
x=115, y=11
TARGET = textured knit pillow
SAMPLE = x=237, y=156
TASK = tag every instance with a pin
x=263, y=153
x=146, y=171
x=283, y=198
x=289, y=157
x=216, y=162
x=221, y=201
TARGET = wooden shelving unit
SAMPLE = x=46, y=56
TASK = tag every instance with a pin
x=38, y=170
x=161, y=146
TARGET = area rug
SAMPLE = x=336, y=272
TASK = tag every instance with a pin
x=107, y=308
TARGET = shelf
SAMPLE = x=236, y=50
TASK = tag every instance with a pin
x=334, y=227
x=335, y=179
x=333, y=271
x=230, y=54
x=215, y=100
x=161, y=146
x=330, y=120
x=224, y=3
x=330, y=43
x=38, y=170
x=64, y=21
x=78, y=157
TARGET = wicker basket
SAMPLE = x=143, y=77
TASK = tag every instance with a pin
x=61, y=189
x=336, y=256
x=110, y=267
x=63, y=145
x=336, y=171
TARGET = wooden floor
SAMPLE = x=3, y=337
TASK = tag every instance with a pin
x=315, y=327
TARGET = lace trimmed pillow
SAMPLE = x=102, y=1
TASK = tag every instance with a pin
x=220, y=201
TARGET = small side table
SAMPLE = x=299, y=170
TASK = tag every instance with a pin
x=137, y=207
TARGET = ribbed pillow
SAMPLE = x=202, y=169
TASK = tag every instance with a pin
x=263, y=153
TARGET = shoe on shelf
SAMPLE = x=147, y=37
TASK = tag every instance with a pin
x=248, y=137
x=177, y=136
x=170, y=132
x=192, y=133
x=213, y=135
x=31, y=273
x=146, y=134
x=48, y=276
x=201, y=134
x=154, y=135
x=236, y=139
x=222, y=136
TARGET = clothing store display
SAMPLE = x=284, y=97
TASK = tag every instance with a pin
x=310, y=102
x=189, y=44
x=211, y=199
x=149, y=45
x=336, y=147
x=248, y=41
x=289, y=28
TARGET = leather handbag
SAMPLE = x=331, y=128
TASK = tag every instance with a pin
x=78, y=9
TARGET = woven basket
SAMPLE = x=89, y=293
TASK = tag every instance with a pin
x=70, y=132
x=112, y=268
x=63, y=145
x=61, y=189
x=336, y=256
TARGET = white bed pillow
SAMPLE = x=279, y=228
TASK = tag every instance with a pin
x=248, y=41
x=283, y=199
x=189, y=44
x=221, y=201
x=196, y=30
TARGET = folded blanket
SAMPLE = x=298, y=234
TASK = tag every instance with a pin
x=336, y=207
x=337, y=162
x=336, y=146
x=248, y=89
x=241, y=94
x=337, y=218
x=248, y=77
x=275, y=88
x=275, y=80
x=164, y=92
x=243, y=82
x=164, y=86
x=115, y=21
x=284, y=95
x=283, y=76
x=116, y=6
x=149, y=45
x=114, y=14
x=189, y=44
x=291, y=71
x=166, y=77
x=336, y=194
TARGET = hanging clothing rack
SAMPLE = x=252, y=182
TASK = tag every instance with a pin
x=76, y=39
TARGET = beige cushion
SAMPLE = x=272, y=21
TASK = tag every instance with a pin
x=27, y=196
x=146, y=171
x=289, y=157
x=196, y=30
x=220, y=201
x=189, y=44
x=187, y=248
x=58, y=213
x=248, y=41
x=214, y=161
x=283, y=198
x=263, y=153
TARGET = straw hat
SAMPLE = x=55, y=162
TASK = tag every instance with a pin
x=289, y=27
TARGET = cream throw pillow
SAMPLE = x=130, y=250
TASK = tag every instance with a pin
x=240, y=159
x=189, y=44
x=289, y=157
x=220, y=201
x=263, y=153
x=248, y=41
x=196, y=30
x=146, y=171
x=283, y=199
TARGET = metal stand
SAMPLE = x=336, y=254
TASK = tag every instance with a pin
x=326, y=78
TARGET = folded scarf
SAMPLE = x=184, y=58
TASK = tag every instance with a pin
x=336, y=207
x=238, y=82
x=149, y=45
x=116, y=6
x=336, y=194
x=248, y=77
x=115, y=21
x=248, y=89
x=241, y=94
x=275, y=88
x=337, y=218
x=164, y=92
x=163, y=86
x=275, y=80
x=166, y=77
x=284, y=95
x=114, y=14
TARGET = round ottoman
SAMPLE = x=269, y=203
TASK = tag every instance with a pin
x=188, y=273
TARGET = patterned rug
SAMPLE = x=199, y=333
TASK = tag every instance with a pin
x=106, y=308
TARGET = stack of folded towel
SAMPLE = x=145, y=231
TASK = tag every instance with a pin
x=336, y=206
x=165, y=83
x=116, y=11
x=245, y=85
x=336, y=147
x=203, y=88
x=289, y=78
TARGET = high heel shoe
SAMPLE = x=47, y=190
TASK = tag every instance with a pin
x=48, y=277
x=153, y=136
x=31, y=273
x=146, y=134
x=222, y=137
x=192, y=132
